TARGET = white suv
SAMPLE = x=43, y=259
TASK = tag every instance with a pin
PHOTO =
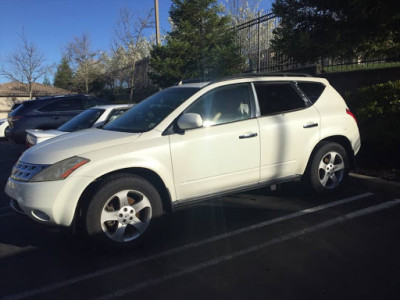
x=187, y=143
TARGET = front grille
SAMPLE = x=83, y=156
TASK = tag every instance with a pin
x=24, y=172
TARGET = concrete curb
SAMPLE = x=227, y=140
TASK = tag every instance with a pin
x=376, y=184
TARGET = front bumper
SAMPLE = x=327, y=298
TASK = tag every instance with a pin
x=51, y=202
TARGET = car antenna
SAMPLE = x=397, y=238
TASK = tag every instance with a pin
x=183, y=78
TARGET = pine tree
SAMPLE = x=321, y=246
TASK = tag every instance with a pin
x=46, y=80
x=64, y=75
x=200, y=45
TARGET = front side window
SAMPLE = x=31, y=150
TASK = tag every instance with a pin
x=276, y=98
x=223, y=105
x=150, y=112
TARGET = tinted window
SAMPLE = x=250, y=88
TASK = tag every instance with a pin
x=277, y=97
x=223, y=105
x=82, y=121
x=312, y=90
x=23, y=109
x=62, y=105
x=148, y=113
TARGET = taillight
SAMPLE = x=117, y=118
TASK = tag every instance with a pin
x=351, y=114
x=12, y=119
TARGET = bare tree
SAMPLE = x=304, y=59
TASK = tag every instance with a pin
x=130, y=35
x=27, y=64
x=243, y=10
x=83, y=60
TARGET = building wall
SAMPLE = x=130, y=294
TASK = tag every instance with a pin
x=7, y=102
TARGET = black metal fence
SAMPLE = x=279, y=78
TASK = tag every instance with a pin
x=254, y=38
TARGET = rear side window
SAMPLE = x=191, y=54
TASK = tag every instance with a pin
x=63, y=105
x=276, y=98
x=312, y=90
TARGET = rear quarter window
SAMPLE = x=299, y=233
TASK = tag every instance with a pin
x=313, y=90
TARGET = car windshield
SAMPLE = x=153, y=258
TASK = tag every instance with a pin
x=150, y=112
x=84, y=120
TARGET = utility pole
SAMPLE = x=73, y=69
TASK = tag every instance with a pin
x=157, y=23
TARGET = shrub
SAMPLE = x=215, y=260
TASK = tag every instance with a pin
x=378, y=113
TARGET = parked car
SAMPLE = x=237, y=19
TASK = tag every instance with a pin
x=3, y=127
x=47, y=113
x=97, y=116
x=4, y=122
x=184, y=144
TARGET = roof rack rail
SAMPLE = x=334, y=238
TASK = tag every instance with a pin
x=244, y=75
x=283, y=74
x=193, y=80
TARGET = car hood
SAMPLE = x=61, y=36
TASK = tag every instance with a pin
x=75, y=144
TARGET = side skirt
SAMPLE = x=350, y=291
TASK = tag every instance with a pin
x=189, y=201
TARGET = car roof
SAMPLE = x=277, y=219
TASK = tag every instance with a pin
x=112, y=106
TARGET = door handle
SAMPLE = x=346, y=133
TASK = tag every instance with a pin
x=310, y=125
x=248, y=135
x=54, y=117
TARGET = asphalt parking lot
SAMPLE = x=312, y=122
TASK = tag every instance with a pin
x=284, y=244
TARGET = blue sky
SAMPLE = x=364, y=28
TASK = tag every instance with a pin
x=51, y=24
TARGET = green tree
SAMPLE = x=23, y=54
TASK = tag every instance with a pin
x=64, y=75
x=46, y=80
x=201, y=44
x=312, y=29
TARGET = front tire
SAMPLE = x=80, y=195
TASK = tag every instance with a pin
x=329, y=168
x=121, y=212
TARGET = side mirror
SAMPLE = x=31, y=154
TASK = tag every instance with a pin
x=190, y=121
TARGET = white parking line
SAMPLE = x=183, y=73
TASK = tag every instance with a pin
x=221, y=259
x=68, y=282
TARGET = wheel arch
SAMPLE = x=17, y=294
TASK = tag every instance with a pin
x=147, y=174
x=338, y=139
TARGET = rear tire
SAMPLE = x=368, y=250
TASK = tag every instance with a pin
x=328, y=168
x=122, y=211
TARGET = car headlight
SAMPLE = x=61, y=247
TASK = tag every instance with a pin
x=1, y=122
x=60, y=170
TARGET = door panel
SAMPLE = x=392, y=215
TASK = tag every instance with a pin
x=287, y=140
x=211, y=159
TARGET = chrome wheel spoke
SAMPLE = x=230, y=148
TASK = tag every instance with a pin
x=139, y=225
x=119, y=234
x=325, y=179
x=122, y=198
x=142, y=204
x=109, y=216
x=339, y=166
x=335, y=180
x=332, y=157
